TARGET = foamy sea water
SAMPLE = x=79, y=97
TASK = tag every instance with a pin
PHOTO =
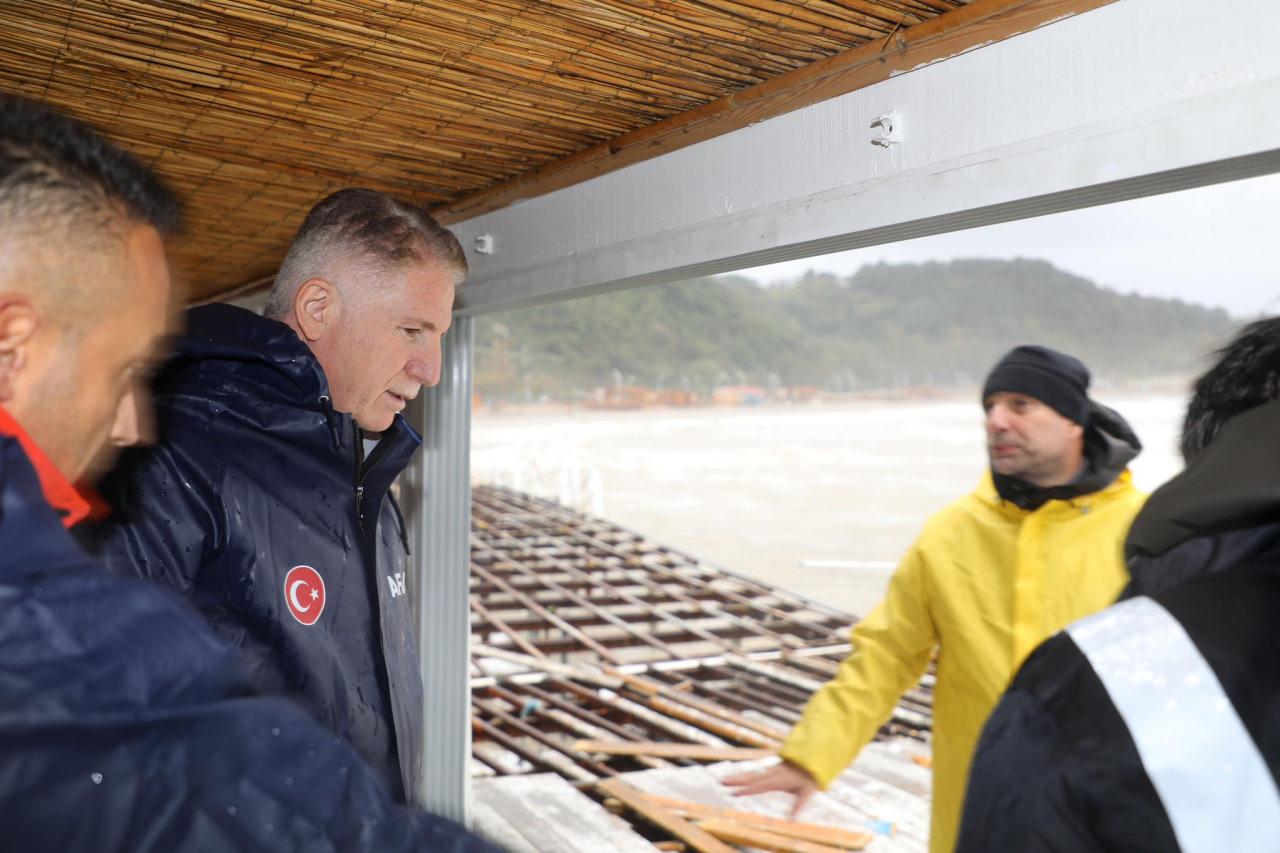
x=820, y=499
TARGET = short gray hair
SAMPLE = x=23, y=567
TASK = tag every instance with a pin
x=371, y=225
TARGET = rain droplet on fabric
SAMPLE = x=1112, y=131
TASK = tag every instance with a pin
x=96, y=777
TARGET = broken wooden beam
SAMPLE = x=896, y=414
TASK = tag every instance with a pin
x=761, y=839
x=833, y=836
x=694, y=751
x=697, y=839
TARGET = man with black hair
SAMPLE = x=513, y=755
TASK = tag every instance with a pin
x=1037, y=545
x=125, y=724
x=267, y=499
x=1155, y=724
x=1179, y=537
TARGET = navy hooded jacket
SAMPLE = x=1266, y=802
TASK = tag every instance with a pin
x=259, y=507
x=125, y=724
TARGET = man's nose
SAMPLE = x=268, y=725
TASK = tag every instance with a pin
x=134, y=422
x=423, y=371
x=997, y=419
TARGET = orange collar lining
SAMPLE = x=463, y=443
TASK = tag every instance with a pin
x=58, y=491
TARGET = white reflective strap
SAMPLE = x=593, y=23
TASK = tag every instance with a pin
x=1211, y=779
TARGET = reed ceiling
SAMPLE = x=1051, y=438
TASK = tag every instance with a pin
x=253, y=110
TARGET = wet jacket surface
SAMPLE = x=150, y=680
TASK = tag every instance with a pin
x=126, y=724
x=1215, y=514
x=984, y=583
x=1057, y=768
x=258, y=507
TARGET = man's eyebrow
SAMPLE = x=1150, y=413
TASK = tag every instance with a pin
x=420, y=323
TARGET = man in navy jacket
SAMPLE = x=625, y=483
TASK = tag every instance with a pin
x=267, y=499
x=125, y=723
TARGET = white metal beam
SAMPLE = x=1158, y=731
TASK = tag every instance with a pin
x=1132, y=99
x=438, y=511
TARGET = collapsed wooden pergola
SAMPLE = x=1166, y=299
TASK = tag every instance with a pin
x=598, y=653
x=582, y=146
x=561, y=599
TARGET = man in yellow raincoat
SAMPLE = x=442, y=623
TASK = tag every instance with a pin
x=1036, y=546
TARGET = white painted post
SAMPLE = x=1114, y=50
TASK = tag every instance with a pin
x=438, y=511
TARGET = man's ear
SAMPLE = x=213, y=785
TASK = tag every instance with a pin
x=19, y=320
x=316, y=308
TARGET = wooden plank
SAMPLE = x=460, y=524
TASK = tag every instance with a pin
x=696, y=838
x=564, y=566
x=695, y=751
x=493, y=825
x=833, y=836
x=673, y=726
x=629, y=627
x=978, y=23
x=702, y=783
x=761, y=839
x=592, y=725
x=528, y=602
x=555, y=817
x=497, y=622
x=696, y=710
x=897, y=768
x=585, y=673
x=881, y=801
x=511, y=744
x=712, y=722
x=589, y=770
x=656, y=577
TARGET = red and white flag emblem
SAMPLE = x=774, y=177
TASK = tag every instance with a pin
x=304, y=594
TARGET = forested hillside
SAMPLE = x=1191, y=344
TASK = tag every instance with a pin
x=888, y=326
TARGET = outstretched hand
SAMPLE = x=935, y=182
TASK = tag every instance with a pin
x=781, y=777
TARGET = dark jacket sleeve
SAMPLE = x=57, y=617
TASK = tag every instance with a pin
x=167, y=517
x=236, y=775
x=1056, y=768
x=129, y=731
x=1018, y=796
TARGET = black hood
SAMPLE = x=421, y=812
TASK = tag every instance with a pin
x=252, y=349
x=1110, y=444
x=232, y=362
x=1233, y=485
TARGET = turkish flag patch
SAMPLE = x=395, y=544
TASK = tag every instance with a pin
x=304, y=594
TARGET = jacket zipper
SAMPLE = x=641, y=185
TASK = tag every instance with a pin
x=358, y=452
x=362, y=466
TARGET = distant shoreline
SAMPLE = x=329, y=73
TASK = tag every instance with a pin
x=1103, y=389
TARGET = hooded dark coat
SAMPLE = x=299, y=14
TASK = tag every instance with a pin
x=255, y=475
x=1059, y=768
x=1213, y=515
x=126, y=725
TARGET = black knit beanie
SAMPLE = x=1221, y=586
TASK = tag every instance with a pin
x=1054, y=378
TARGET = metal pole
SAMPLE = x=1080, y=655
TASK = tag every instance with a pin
x=437, y=503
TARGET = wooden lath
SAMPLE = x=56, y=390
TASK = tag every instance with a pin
x=595, y=646
x=560, y=583
x=254, y=109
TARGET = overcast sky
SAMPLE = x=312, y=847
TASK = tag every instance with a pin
x=1217, y=245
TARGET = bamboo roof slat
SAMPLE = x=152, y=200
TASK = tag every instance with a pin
x=254, y=109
